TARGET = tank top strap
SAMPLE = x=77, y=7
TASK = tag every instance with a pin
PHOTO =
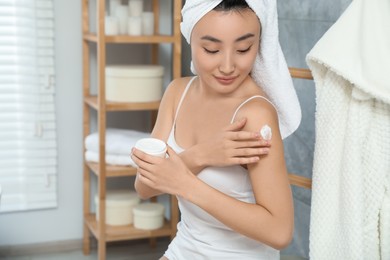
x=246, y=101
x=182, y=98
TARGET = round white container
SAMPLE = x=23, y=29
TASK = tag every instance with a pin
x=113, y=4
x=119, y=207
x=111, y=25
x=134, y=26
x=152, y=146
x=147, y=23
x=121, y=12
x=136, y=7
x=148, y=216
x=134, y=83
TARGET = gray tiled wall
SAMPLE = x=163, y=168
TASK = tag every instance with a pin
x=301, y=24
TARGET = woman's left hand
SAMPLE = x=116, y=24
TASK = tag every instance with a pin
x=168, y=175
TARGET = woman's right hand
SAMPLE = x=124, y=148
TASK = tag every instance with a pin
x=232, y=146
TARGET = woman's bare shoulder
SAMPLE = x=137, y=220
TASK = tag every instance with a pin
x=177, y=86
x=259, y=111
x=167, y=108
x=174, y=91
x=258, y=106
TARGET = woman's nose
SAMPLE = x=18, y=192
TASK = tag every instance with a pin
x=227, y=65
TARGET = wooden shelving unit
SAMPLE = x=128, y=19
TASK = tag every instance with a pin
x=105, y=233
x=92, y=101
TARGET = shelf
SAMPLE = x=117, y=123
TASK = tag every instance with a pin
x=96, y=54
x=113, y=171
x=92, y=101
x=118, y=233
x=91, y=37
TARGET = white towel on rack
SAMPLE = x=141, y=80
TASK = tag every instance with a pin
x=118, y=141
x=270, y=70
x=351, y=183
x=112, y=159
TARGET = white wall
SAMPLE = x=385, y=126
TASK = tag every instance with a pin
x=65, y=221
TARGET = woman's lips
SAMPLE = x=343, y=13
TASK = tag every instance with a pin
x=225, y=80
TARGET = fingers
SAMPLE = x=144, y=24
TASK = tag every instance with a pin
x=244, y=142
x=243, y=135
x=253, y=144
x=170, y=151
x=145, y=168
x=136, y=156
x=248, y=156
x=251, y=152
x=234, y=131
x=142, y=159
x=246, y=160
x=237, y=125
x=144, y=177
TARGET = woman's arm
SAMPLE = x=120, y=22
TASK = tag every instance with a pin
x=231, y=146
x=161, y=130
x=270, y=219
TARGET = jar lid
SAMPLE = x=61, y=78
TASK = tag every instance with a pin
x=120, y=198
x=151, y=146
x=135, y=71
x=149, y=209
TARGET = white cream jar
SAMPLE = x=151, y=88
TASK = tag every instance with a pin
x=148, y=216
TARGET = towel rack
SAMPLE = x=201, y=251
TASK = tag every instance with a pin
x=299, y=181
x=295, y=179
x=300, y=73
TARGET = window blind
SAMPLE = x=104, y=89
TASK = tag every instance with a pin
x=28, y=149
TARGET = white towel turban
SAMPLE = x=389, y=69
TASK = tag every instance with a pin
x=270, y=70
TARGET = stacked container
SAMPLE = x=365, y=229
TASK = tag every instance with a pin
x=119, y=207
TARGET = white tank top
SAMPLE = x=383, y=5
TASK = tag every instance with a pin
x=200, y=235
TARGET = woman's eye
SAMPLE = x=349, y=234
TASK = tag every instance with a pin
x=244, y=51
x=210, y=51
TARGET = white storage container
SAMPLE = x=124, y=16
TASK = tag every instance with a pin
x=119, y=207
x=134, y=83
x=148, y=216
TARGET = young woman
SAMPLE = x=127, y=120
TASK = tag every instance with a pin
x=233, y=191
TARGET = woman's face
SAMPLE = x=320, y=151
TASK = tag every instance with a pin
x=224, y=46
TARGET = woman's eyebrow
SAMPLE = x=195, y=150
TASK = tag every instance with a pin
x=241, y=38
x=210, y=38
x=244, y=37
